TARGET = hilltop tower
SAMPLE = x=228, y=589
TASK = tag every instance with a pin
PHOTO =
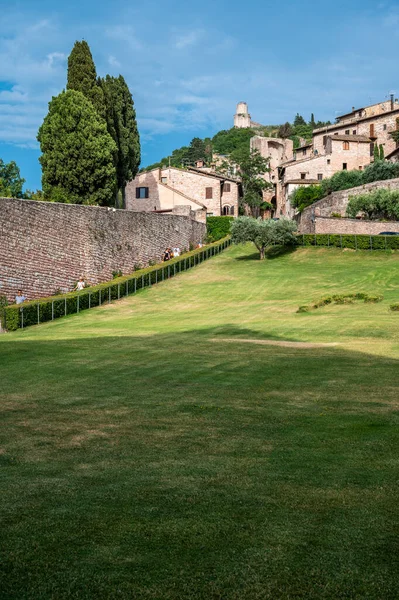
x=242, y=118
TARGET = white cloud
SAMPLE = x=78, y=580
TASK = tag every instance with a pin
x=113, y=62
x=188, y=39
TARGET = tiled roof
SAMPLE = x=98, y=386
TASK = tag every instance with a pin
x=351, y=138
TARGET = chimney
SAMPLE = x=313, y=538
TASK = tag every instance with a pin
x=392, y=101
x=353, y=109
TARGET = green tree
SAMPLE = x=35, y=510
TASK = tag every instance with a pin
x=305, y=196
x=382, y=154
x=312, y=122
x=263, y=233
x=77, y=152
x=227, y=141
x=285, y=131
x=11, y=182
x=378, y=204
x=299, y=120
x=122, y=126
x=251, y=168
x=82, y=76
x=196, y=150
x=376, y=153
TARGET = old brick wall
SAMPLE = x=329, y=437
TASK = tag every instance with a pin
x=351, y=226
x=48, y=246
x=337, y=202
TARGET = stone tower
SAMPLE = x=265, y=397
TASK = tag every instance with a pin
x=242, y=118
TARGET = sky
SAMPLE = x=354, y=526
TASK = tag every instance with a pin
x=189, y=63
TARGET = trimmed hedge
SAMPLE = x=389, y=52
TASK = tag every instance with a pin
x=54, y=307
x=218, y=227
x=341, y=299
x=356, y=242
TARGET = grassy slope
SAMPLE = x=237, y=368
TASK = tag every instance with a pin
x=144, y=457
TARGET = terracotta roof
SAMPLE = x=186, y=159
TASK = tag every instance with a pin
x=303, y=181
x=211, y=174
x=351, y=138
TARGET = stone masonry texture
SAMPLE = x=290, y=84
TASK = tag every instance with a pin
x=46, y=247
x=353, y=226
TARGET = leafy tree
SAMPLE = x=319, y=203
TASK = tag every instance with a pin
x=285, y=131
x=299, y=120
x=343, y=180
x=11, y=182
x=31, y=195
x=251, y=168
x=263, y=233
x=378, y=204
x=382, y=154
x=231, y=140
x=376, y=153
x=122, y=126
x=305, y=196
x=82, y=76
x=196, y=150
x=379, y=171
x=77, y=152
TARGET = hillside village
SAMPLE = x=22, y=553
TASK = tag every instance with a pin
x=348, y=144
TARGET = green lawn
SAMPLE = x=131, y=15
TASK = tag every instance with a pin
x=172, y=446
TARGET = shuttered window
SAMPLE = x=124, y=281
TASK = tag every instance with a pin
x=226, y=187
x=141, y=192
x=208, y=193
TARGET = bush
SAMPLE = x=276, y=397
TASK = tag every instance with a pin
x=218, y=227
x=395, y=307
x=341, y=299
x=378, y=204
x=47, y=309
x=305, y=196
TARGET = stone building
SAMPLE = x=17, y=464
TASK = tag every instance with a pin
x=242, y=118
x=346, y=145
x=162, y=190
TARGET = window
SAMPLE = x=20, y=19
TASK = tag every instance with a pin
x=328, y=161
x=164, y=180
x=141, y=192
x=354, y=132
x=324, y=140
x=303, y=175
x=371, y=149
x=209, y=214
x=336, y=133
x=372, y=130
x=384, y=127
x=344, y=167
x=347, y=132
x=360, y=168
x=304, y=152
x=345, y=145
x=319, y=176
x=208, y=193
x=232, y=211
x=226, y=187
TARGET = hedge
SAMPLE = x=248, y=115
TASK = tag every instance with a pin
x=357, y=242
x=54, y=307
x=218, y=227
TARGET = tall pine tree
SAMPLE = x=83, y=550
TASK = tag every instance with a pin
x=82, y=76
x=122, y=126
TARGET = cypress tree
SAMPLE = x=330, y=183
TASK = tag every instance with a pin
x=376, y=153
x=122, y=126
x=77, y=152
x=82, y=76
x=382, y=156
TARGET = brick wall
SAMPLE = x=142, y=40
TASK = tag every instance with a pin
x=351, y=226
x=48, y=246
x=337, y=202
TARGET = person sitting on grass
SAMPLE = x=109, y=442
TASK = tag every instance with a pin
x=80, y=285
x=19, y=298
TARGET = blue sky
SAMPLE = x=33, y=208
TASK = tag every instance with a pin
x=189, y=63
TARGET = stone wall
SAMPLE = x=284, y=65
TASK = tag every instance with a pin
x=48, y=246
x=353, y=226
x=337, y=202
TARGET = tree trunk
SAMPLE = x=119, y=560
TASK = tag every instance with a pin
x=261, y=253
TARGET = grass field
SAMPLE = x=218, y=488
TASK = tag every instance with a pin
x=173, y=445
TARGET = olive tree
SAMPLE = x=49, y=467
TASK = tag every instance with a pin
x=263, y=233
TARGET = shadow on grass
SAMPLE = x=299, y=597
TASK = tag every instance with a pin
x=270, y=254
x=178, y=467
